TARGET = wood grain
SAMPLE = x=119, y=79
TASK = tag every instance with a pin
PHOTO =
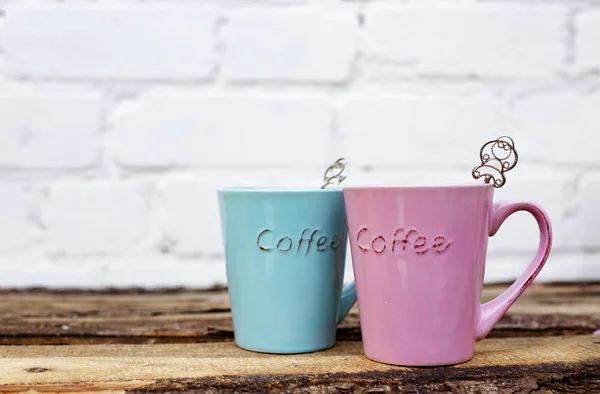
x=192, y=316
x=181, y=340
x=544, y=361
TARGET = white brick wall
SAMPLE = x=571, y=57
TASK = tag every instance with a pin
x=17, y=229
x=490, y=39
x=225, y=129
x=49, y=130
x=289, y=45
x=407, y=130
x=112, y=41
x=587, y=25
x=119, y=119
x=569, y=130
x=88, y=218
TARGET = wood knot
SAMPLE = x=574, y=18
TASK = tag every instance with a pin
x=37, y=370
x=344, y=386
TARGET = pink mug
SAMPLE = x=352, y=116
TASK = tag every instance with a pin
x=419, y=258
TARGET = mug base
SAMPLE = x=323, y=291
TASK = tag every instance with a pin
x=284, y=351
x=431, y=364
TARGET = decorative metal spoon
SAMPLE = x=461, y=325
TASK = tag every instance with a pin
x=497, y=157
x=335, y=173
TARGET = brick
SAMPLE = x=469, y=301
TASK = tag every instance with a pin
x=34, y=269
x=424, y=132
x=560, y=127
x=164, y=272
x=109, y=40
x=587, y=214
x=16, y=227
x=559, y=268
x=289, y=45
x=192, y=217
x=133, y=270
x=49, y=131
x=555, y=191
x=587, y=40
x=482, y=39
x=94, y=218
x=163, y=130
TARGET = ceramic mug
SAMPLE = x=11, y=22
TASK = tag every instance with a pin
x=418, y=255
x=285, y=254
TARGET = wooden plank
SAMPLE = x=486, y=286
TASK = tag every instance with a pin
x=189, y=316
x=571, y=299
x=570, y=364
x=73, y=303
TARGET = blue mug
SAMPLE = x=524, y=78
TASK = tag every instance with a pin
x=285, y=254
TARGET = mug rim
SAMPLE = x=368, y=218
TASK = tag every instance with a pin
x=418, y=187
x=270, y=190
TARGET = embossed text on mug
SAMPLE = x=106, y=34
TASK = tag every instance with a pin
x=403, y=240
x=267, y=241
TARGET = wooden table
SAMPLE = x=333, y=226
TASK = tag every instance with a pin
x=176, y=340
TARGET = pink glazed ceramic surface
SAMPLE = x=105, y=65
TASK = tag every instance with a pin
x=419, y=257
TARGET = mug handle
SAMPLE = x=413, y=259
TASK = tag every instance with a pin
x=492, y=311
x=348, y=298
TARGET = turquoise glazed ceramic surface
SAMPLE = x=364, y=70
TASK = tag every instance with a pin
x=285, y=254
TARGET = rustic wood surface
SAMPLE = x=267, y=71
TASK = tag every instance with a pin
x=549, y=363
x=181, y=340
x=180, y=316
